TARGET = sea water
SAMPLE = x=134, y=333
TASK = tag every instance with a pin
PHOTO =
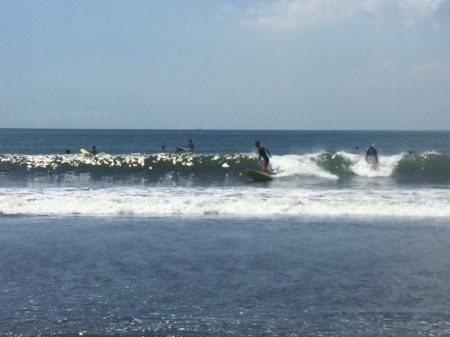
x=140, y=242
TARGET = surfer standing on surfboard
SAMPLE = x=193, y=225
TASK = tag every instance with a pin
x=263, y=153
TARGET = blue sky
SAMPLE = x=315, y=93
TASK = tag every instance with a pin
x=275, y=64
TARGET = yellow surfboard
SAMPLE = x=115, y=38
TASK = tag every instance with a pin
x=85, y=152
x=257, y=176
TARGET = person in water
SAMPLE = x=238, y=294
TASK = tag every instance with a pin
x=190, y=145
x=94, y=150
x=372, y=153
x=263, y=153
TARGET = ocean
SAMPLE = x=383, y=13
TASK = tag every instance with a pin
x=137, y=241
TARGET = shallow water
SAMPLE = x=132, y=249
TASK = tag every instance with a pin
x=224, y=277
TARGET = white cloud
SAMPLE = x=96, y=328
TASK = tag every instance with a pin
x=289, y=14
x=286, y=14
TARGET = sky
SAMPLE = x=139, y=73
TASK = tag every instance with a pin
x=273, y=64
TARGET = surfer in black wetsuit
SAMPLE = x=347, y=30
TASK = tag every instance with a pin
x=372, y=152
x=263, y=153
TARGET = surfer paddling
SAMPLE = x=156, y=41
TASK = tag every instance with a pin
x=263, y=153
x=190, y=145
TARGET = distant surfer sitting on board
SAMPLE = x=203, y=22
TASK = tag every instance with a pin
x=263, y=153
x=371, y=155
x=190, y=145
x=94, y=150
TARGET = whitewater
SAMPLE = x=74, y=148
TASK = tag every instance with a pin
x=239, y=202
x=169, y=184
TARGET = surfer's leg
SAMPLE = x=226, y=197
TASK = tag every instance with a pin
x=264, y=166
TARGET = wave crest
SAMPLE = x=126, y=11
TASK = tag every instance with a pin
x=419, y=168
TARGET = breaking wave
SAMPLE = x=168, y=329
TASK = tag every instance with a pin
x=418, y=168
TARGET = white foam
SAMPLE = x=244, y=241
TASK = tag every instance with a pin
x=299, y=165
x=241, y=202
x=385, y=167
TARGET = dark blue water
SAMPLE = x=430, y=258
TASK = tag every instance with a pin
x=223, y=277
x=419, y=158
x=54, y=141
